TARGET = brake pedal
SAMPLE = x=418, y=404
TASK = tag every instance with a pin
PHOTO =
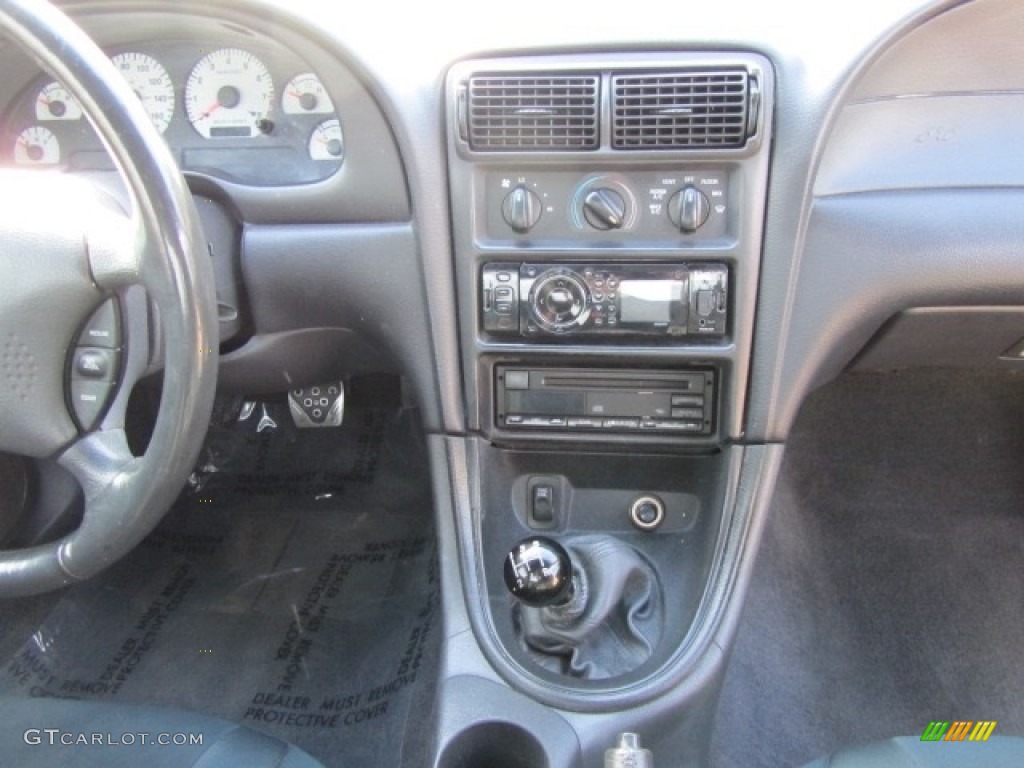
x=322, y=405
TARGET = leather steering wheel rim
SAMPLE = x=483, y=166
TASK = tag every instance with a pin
x=125, y=496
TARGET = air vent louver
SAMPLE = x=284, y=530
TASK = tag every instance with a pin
x=680, y=110
x=533, y=112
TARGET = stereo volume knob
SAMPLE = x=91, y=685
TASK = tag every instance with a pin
x=521, y=209
x=689, y=209
x=604, y=208
x=559, y=301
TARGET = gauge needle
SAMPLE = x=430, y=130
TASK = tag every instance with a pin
x=210, y=110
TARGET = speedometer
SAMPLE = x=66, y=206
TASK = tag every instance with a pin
x=230, y=94
x=151, y=84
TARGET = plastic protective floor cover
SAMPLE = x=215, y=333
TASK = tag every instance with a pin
x=293, y=589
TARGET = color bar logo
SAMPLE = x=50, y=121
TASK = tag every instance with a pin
x=958, y=730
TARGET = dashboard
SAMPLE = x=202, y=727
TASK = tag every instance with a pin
x=579, y=301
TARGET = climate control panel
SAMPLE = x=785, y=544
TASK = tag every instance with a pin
x=671, y=205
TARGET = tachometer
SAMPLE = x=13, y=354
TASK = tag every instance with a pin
x=230, y=94
x=327, y=143
x=151, y=84
x=36, y=146
x=55, y=103
x=306, y=95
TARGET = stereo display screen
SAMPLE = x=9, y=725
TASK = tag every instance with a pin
x=649, y=301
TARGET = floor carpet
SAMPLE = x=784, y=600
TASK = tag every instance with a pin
x=890, y=584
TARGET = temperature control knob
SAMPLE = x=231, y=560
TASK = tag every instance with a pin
x=559, y=300
x=689, y=209
x=539, y=572
x=521, y=209
x=604, y=208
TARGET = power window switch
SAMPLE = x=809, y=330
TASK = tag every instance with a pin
x=543, y=502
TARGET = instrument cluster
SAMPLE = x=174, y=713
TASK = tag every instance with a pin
x=245, y=115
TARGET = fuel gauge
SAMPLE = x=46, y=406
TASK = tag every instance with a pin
x=36, y=146
x=55, y=103
x=327, y=143
x=306, y=95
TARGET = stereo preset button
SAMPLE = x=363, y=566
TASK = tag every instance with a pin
x=544, y=421
x=504, y=277
x=585, y=423
x=687, y=413
x=680, y=426
x=621, y=423
x=503, y=307
x=687, y=401
x=514, y=419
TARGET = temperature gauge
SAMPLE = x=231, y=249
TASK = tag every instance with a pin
x=36, y=146
x=306, y=95
x=327, y=143
x=55, y=103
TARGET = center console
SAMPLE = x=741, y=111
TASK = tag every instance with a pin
x=607, y=212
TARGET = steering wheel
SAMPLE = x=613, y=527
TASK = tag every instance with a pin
x=66, y=249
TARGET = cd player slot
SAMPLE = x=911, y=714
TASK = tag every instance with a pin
x=575, y=382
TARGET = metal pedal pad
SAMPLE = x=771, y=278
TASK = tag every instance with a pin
x=322, y=405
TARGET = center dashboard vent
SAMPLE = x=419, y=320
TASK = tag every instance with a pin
x=687, y=109
x=524, y=112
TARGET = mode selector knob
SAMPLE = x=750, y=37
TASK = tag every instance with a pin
x=604, y=208
x=689, y=208
x=521, y=209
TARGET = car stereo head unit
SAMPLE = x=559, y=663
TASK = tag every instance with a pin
x=676, y=301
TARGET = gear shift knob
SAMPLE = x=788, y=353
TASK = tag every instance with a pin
x=539, y=572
